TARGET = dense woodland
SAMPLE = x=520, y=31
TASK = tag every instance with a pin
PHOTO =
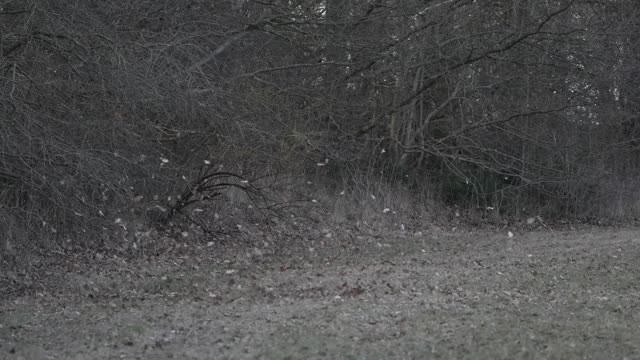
x=112, y=110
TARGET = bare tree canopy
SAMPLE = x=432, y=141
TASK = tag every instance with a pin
x=510, y=103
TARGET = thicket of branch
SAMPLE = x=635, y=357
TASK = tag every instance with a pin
x=503, y=103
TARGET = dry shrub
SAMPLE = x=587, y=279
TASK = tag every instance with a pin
x=620, y=198
x=374, y=203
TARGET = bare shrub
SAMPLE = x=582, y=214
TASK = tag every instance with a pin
x=112, y=110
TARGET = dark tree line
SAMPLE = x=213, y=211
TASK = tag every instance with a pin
x=509, y=104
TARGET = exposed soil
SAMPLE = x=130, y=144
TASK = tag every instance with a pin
x=538, y=295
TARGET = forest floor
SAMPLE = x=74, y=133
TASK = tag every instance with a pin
x=437, y=295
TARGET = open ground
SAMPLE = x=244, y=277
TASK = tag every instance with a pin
x=437, y=295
